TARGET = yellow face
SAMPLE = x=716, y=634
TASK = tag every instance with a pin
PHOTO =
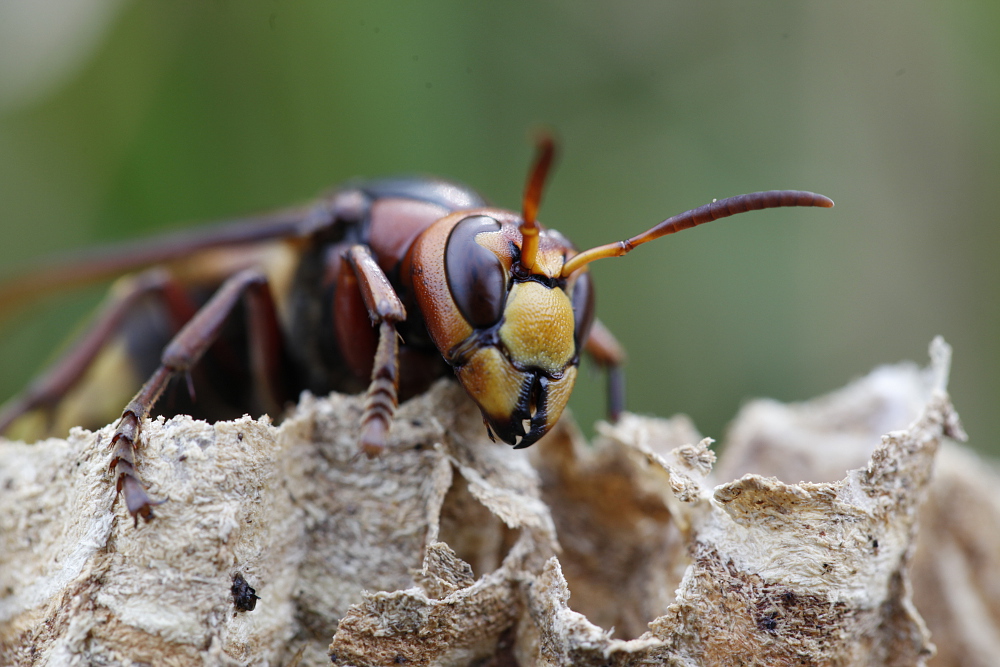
x=537, y=326
x=512, y=337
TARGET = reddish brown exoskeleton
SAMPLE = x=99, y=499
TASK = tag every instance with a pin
x=327, y=292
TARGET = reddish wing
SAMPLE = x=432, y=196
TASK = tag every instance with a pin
x=79, y=268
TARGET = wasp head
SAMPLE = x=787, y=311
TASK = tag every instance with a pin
x=512, y=334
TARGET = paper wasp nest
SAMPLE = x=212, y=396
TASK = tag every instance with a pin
x=451, y=550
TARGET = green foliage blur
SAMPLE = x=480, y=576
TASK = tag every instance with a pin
x=118, y=119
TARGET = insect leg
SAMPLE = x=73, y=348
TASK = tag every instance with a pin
x=385, y=309
x=608, y=353
x=267, y=350
x=51, y=386
x=180, y=355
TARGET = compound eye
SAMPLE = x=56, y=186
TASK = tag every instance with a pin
x=475, y=276
x=583, y=308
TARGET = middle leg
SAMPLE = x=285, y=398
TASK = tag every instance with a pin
x=181, y=355
x=385, y=310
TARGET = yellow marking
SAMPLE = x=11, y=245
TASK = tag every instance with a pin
x=558, y=396
x=492, y=382
x=102, y=392
x=538, y=327
x=97, y=399
x=499, y=244
x=549, y=260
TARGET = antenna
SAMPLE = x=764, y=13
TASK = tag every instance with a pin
x=723, y=208
x=545, y=153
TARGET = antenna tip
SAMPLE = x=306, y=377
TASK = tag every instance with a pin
x=543, y=136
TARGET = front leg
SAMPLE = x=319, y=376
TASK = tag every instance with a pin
x=384, y=309
x=180, y=356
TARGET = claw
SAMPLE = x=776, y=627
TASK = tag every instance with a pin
x=122, y=464
x=373, y=435
x=136, y=499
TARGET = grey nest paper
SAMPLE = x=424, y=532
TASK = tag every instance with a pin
x=806, y=543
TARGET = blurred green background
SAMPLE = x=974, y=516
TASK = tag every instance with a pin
x=121, y=118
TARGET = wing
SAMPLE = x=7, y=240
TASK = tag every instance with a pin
x=79, y=268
